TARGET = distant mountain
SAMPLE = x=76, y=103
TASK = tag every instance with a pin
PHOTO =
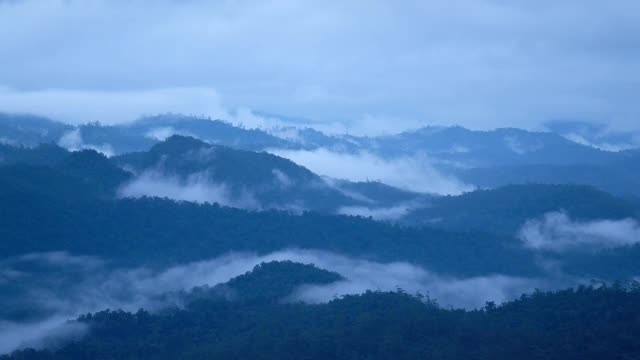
x=595, y=135
x=583, y=323
x=29, y=130
x=184, y=168
x=268, y=282
x=140, y=135
x=491, y=159
x=246, y=179
x=112, y=139
x=618, y=176
x=485, y=159
x=160, y=232
x=166, y=214
x=481, y=158
x=466, y=148
x=215, y=131
x=212, y=131
x=71, y=205
x=505, y=209
x=43, y=154
x=70, y=175
x=452, y=144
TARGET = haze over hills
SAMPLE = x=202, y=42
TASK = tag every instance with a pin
x=244, y=318
x=28, y=130
x=181, y=207
x=245, y=179
x=505, y=146
x=454, y=159
x=598, y=135
x=277, y=179
x=183, y=168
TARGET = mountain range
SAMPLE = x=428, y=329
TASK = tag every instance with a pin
x=193, y=218
x=480, y=159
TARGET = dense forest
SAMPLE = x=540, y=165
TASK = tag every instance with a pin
x=68, y=227
x=592, y=322
x=300, y=179
x=72, y=202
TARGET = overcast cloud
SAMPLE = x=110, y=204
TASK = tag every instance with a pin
x=364, y=65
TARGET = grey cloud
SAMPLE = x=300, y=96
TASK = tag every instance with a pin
x=358, y=64
x=556, y=231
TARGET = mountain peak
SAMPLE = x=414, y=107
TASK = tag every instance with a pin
x=178, y=144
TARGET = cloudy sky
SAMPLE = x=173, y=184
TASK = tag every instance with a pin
x=361, y=65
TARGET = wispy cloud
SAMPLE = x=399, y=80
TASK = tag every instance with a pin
x=362, y=275
x=604, y=145
x=409, y=173
x=65, y=286
x=72, y=141
x=195, y=188
x=164, y=132
x=379, y=213
x=556, y=231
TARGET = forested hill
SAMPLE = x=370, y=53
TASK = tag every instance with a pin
x=82, y=232
x=583, y=323
x=184, y=168
x=291, y=179
x=503, y=210
x=54, y=200
x=268, y=283
x=480, y=158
